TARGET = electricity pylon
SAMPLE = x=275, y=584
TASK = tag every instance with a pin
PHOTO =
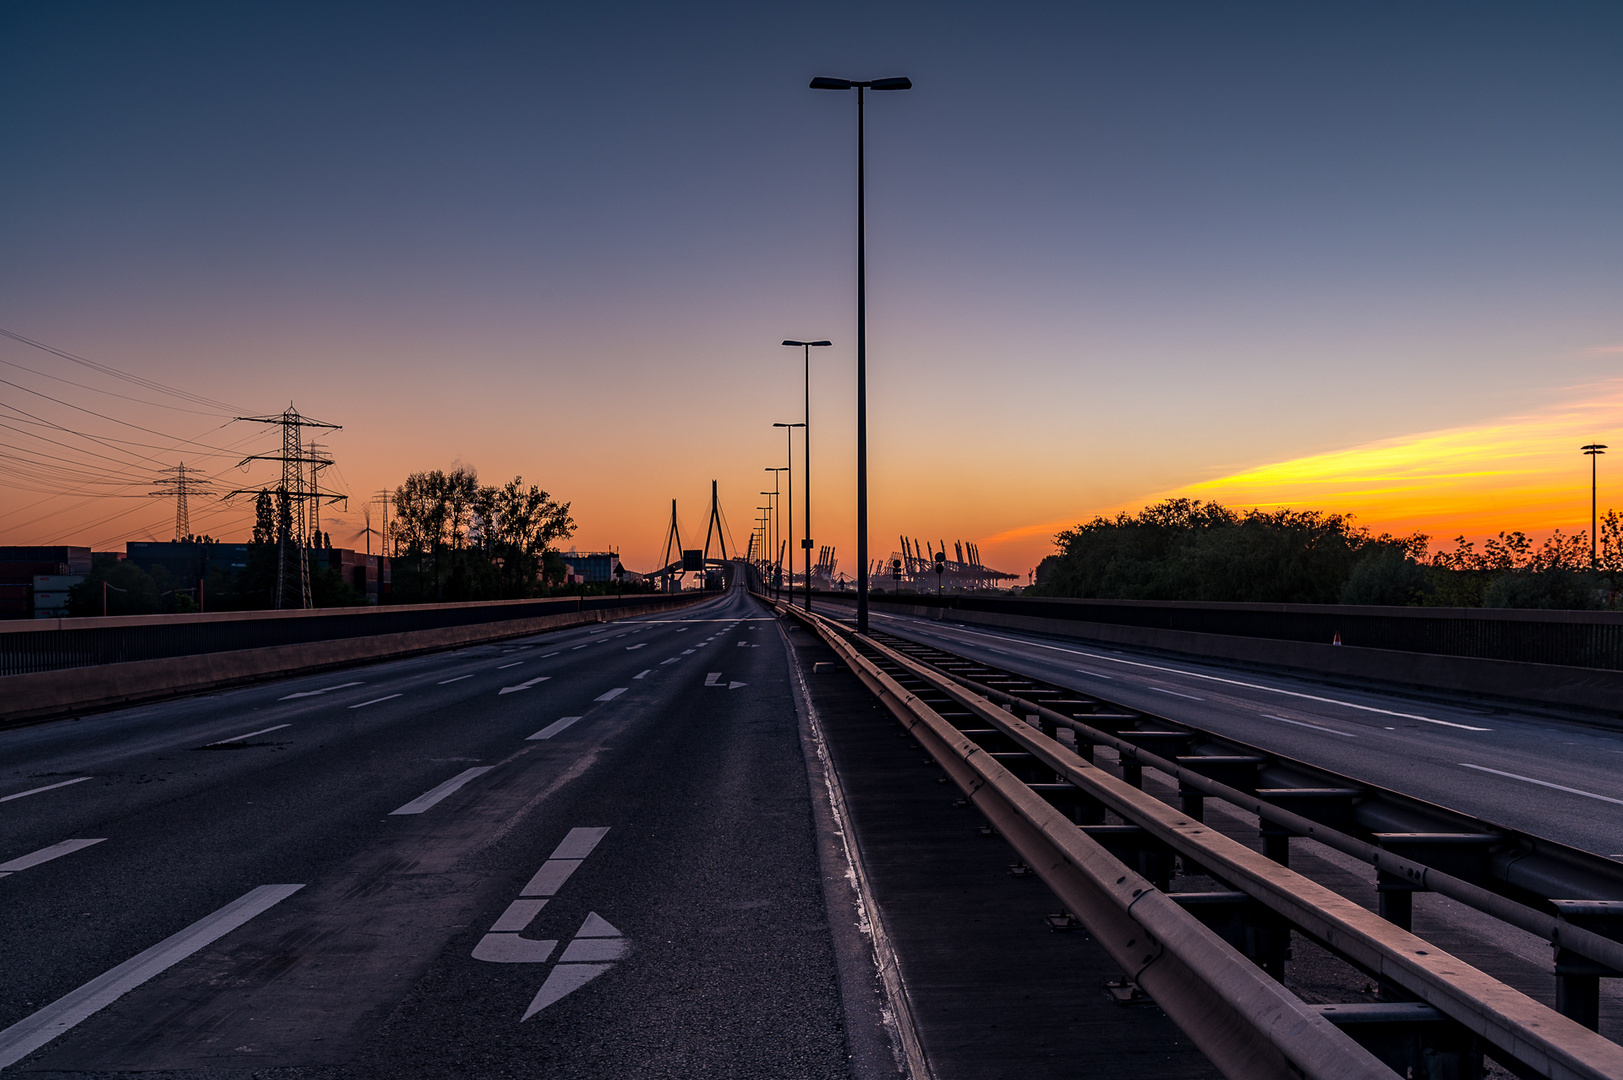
x=292, y=535
x=179, y=482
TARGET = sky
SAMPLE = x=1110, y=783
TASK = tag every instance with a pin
x=1358, y=258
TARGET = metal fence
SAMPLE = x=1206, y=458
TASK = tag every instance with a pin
x=152, y=638
x=1592, y=639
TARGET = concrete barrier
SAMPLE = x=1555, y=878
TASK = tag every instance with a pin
x=48, y=694
x=1594, y=689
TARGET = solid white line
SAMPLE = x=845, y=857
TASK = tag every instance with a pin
x=1543, y=783
x=429, y=798
x=32, y=1032
x=46, y=854
x=47, y=787
x=1174, y=693
x=1230, y=682
x=553, y=728
x=374, y=701
x=640, y=674
x=1304, y=723
x=459, y=678
x=612, y=694
x=251, y=734
x=504, y=667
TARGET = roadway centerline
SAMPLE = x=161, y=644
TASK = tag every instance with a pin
x=32, y=1032
x=374, y=701
x=1219, y=679
x=251, y=734
x=450, y=787
x=1542, y=783
x=47, y=787
x=46, y=854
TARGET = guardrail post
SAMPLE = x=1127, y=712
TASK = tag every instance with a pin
x=1577, y=978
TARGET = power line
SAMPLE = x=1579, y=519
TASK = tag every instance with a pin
x=107, y=369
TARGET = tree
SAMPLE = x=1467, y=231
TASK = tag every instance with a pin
x=264, y=519
x=514, y=526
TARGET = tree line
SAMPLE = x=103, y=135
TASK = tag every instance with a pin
x=458, y=539
x=1186, y=549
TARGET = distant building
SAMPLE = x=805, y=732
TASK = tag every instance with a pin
x=368, y=574
x=19, y=566
x=589, y=567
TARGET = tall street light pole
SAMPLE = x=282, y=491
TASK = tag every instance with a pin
x=777, y=525
x=789, y=437
x=806, y=541
x=900, y=83
x=1594, y=450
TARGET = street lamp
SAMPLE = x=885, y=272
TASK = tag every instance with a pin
x=806, y=541
x=1594, y=450
x=766, y=530
x=777, y=523
x=789, y=448
x=822, y=83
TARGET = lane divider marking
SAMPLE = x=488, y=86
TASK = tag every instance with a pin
x=553, y=728
x=47, y=787
x=638, y=645
x=374, y=701
x=612, y=694
x=672, y=660
x=323, y=690
x=1543, y=783
x=459, y=678
x=524, y=685
x=32, y=1032
x=251, y=734
x=1304, y=723
x=645, y=671
x=46, y=854
x=504, y=667
x=547, y=654
x=429, y=798
x=1174, y=693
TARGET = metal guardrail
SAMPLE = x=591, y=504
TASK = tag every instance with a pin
x=1526, y=1035
x=1592, y=639
x=90, y=642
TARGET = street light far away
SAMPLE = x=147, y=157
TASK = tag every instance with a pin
x=806, y=540
x=897, y=83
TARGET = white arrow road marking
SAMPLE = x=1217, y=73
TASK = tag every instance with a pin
x=524, y=685
x=47, y=787
x=519, y=914
x=639, y=645
x=429, y=798
x=713, y=679
x=323, y=690
x=611, y=695
x=502, y=945
x=32, y=1032
x=553, y=728
x=593, y=951
x=736, y=685
x=251, y=734
x=46, y=854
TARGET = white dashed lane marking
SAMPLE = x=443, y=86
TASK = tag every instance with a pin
x=450, y=787
x=553, y=728
x=374, y=701
x=46, y=854
x=323, y=690
x=612, y=694
x=47, y=787
x=251, y=734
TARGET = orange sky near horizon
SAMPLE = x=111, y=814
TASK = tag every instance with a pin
x=1523, y=472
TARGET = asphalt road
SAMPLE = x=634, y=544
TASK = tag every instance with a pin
x=588, y=853
x=1558, y=777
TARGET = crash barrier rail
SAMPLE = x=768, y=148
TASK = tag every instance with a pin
x=1457, y=1008
x=1585, y=639
x=28, y=647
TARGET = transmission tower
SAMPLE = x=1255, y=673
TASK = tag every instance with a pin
x=179, y=482
x=302, y=492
